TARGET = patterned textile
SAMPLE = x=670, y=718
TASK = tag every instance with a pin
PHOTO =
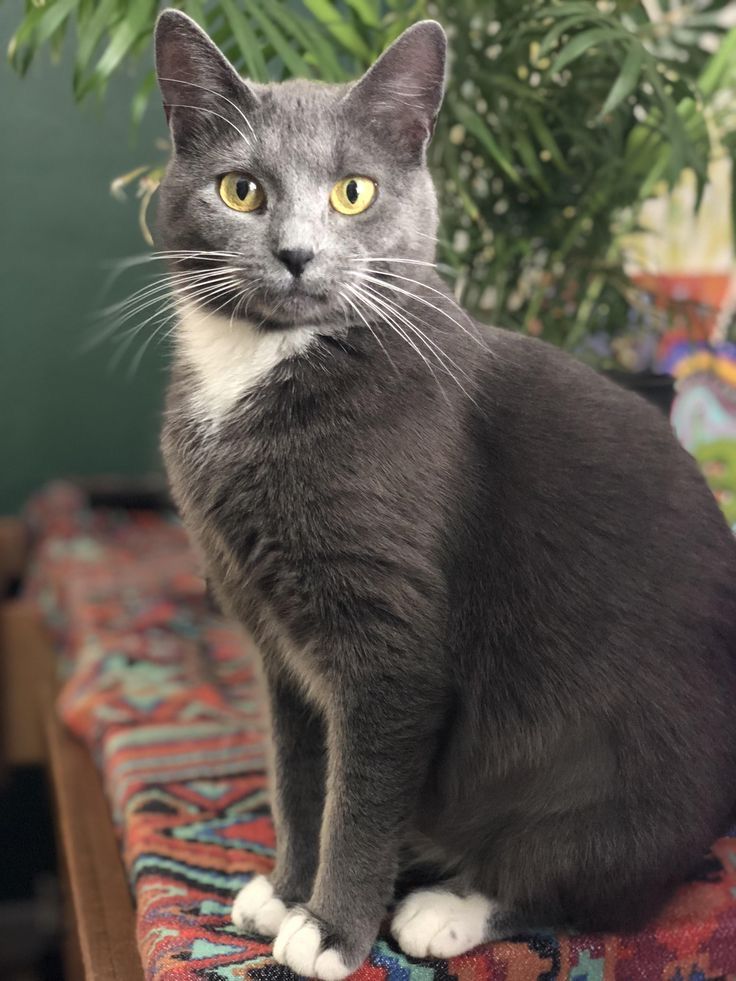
x=164, y=696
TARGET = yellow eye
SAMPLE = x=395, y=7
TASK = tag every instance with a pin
x=352, y=195
x=240, y=192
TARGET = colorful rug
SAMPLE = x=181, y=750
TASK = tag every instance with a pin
x=163, y=693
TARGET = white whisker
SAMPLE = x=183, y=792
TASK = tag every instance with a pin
x=382, y=315
x=401, y=310
x=184, y=105
x=414, y=262
x=180, y=81
x=419, y=299
x=158, y=293
x=357, y=309
x=434, y=349
x=200, y=297
x=162, y=284
x=200, y=292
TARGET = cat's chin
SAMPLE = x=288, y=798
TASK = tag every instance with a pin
x=267, y=324
x=292, y=312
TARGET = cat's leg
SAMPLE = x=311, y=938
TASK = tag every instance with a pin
x=380, y=743
x=446, y=920
x=297, y=801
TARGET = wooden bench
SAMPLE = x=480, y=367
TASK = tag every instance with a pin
x=99, y=941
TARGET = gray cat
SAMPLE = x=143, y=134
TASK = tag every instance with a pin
x=495, y=601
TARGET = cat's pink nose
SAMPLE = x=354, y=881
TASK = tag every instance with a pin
x=295, y=259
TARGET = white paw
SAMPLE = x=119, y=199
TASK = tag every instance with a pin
x=299, y=946
x=436, y=923
x=257, y=908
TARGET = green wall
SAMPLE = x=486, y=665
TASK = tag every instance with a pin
x=63, y=411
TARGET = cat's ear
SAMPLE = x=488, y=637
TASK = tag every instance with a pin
x=201, y=90
x=403, y=90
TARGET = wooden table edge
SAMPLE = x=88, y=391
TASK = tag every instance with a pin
x=103, y=913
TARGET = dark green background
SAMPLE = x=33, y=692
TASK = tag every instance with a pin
x=65, y=412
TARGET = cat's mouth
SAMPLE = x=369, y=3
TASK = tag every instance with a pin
x=294, y=307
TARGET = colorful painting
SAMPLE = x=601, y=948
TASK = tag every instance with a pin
x=704, y=410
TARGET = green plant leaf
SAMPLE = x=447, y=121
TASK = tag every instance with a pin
x=475, y=125
x=582, y=42
x=317, y=48
x=341, y=29
x=54, y=16
x=628, y=79
x=250, y=49
x=501, y=83
x=470, y=207
x=142, y=98
x=675, y=150
x=293, y=61
x=37, y=28
x=17, y=44
x=196, y=11
x=139, y=18
x=89, y=33
x=553, y=35
x=369, y=11
x=546, y=140
x=565, y=9
x=528, y=155
x=719, y=64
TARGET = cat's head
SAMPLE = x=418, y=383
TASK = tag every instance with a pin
x=294, y=183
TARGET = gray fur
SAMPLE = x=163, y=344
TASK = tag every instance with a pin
x=497, y=614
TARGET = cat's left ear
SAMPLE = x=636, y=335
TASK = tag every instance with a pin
x=403, y=90
x=201, y=90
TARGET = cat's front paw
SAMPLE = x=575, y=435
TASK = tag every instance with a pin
x=257, y=908
x=311, y=948
x=439, y=923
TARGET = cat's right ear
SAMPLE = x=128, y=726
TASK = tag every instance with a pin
x=402, y=92
x=201, y=90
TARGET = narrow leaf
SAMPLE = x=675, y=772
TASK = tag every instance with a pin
x=250, y=48
x=53, y=18
x=368, y=10
x=17, y=45
x=315, y=45
x=296, y=65
x=142, y=98
x=582, y=42
x=325, y=12
x=628, y=79
x=196, y=11
x=139, y=17
x=721, y=62
x=474, y=124
x=528, y=154
x=546, y=140
x=89, y=33
x=582, y=7
x=551, y=38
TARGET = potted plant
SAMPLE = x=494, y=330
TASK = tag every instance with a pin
x=562, y=117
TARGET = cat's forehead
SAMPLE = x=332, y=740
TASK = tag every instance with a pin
x=298, y=97
x=302, y=125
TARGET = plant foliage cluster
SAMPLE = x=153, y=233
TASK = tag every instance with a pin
x=561, y=117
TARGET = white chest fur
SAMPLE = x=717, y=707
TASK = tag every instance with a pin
x=230, y=358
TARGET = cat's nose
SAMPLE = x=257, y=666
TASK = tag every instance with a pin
x=295, y=259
